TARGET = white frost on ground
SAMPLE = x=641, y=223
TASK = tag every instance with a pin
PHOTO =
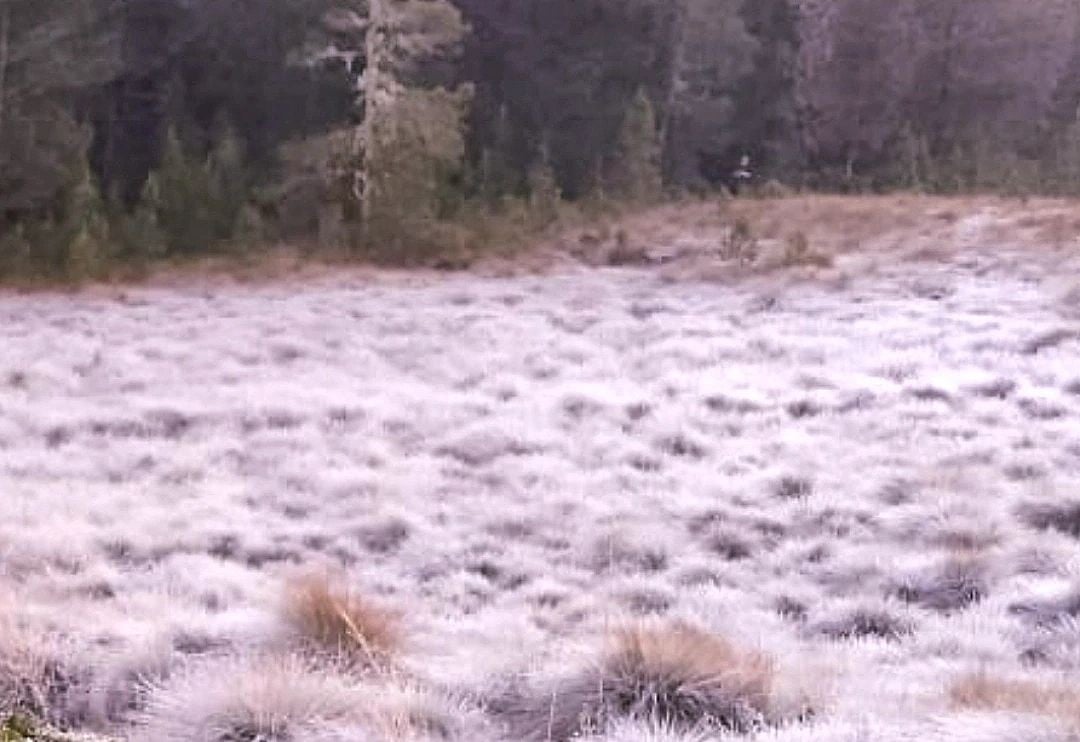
x=517, y=463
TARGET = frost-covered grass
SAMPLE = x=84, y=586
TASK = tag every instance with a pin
x=855, y=487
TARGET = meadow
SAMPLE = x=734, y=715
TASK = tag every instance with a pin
x=803, y=470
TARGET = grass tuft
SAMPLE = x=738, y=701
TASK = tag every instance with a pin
x=332, y=618
x=1063, y=517
x=33, y=683
x=673, y=674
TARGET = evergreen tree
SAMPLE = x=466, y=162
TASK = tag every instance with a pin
x=566, y=72
x=51, y=52
x=634, y=170
x=412, y=137
x=182, y=193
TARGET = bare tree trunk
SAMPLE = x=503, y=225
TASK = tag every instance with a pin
x=950, y=52
x=678, y=51
x=670, y=114
x=374, y=92
x=5, y=58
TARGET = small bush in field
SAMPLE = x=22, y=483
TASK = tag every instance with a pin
x=797, y=251
x=740, y=243
x=797, y=248
x=625, y=252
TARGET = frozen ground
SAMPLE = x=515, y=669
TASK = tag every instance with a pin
x=869, y=473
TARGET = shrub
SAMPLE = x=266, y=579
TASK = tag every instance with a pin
x=740, y=243
x=626, y=253
x=797, y=252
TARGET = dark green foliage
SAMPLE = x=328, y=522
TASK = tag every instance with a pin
x=20, y=728
x=180, y=193
x=416, y=151
x=17, y=728
x=193, y=64
x=193, y=202
x=190, y=114
x=712, y=52
x=71, y=240
x=50, y=50
x=765, y=124
x=563, y=72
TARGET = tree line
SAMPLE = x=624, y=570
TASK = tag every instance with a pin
x=136, y=129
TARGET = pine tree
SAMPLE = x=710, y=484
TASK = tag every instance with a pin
x=634, y=170
x=85, y=228
x=412, y=141
x=50, y=52
x=140, y=231
x=184, y=194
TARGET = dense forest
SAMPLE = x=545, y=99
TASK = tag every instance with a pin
x=135, y=129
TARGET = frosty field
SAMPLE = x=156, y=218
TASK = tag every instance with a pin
x=864, y=479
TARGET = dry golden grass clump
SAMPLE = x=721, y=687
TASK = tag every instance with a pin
x=675, y=675
x=981, y=692
x=626, y=252
x=332, y=618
